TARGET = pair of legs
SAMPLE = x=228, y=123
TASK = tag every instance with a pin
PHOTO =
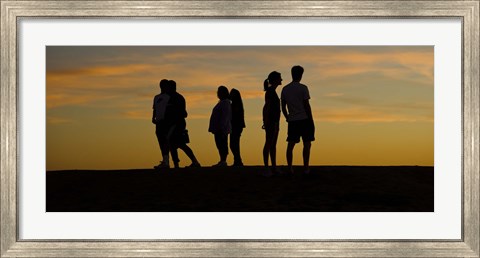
x=221, y=141
x=160, y=132
x=306, y=155
x=188, y=151
x=176, y=140
x=270, y=147
x=304, y=129
x=235, y=146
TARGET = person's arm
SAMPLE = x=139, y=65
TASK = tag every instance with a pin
x=284, y=109
x=183, y=105
x=266, y=109
x=213, y=123
x=306, y=104
x=308, y=109
x=153, y=114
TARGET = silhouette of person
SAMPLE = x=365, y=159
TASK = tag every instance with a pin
x=177, y=135
x=220, y=124
x=238, y=123
x=296, y=109
x=158, y=118
x=271, y=120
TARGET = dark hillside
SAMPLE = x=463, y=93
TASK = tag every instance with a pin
x=326, y=189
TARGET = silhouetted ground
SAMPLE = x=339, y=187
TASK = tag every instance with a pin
x=326, y=189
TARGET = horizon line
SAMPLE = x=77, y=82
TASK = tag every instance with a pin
x=230, y=167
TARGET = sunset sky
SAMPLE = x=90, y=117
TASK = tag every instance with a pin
x=373, y=105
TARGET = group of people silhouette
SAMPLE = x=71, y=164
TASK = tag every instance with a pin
x=227, y=118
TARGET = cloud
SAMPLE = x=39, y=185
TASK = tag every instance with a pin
x=54, y=120
x=55, y=100
x=83, y=86
x=137, y=115
x=127, y=85
x=343, y=100
x=366, y=115
x=333, y=94
x=101, y=70
x=396, y=63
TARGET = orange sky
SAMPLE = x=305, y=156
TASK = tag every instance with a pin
x=373, y=105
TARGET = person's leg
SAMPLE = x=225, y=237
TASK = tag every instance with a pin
x=273, y=148
x=160, y=138
x=189, y=152
x=164, y=149
x=163, y=143
x=235, y=146
x=218, y=144
x=232, y=145
x=158, y=133
x=224, y=147
x=174, y=153
x=308, y=135
x=306, y=155
x=292, y=138
x=221, y=141
x=239, y=156
x=266, y=146
x=290, y=147
x=172, y=145
x=160, y=144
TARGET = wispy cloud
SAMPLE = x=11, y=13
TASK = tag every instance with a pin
x=333, y=94
x=59, y=120
x=127, y=85
x=136, y=115
x=55, y=100
x=405, y=64
x=101, y=71
x=366, y=115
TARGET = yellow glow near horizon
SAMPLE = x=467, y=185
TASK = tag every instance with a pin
x=372, y=105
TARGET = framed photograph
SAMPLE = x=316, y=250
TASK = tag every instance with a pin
x=393, y=93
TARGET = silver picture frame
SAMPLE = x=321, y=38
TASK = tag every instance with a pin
x=467, y=246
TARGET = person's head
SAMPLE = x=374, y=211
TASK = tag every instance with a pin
x=172, y=87
x=163, y=85
x=222, y=92
x=274, y=79
x=297, y=72
x=235, y=96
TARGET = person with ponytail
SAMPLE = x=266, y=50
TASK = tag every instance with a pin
x=271, y=121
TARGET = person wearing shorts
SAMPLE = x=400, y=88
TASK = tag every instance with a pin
x=304, y=129
x=298, y=113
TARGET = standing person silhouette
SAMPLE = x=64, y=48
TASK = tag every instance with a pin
x=295, y=97
x=238, y=123
x=220, y=124
x=271, y=120
x=158, y=118
x=177, y=136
